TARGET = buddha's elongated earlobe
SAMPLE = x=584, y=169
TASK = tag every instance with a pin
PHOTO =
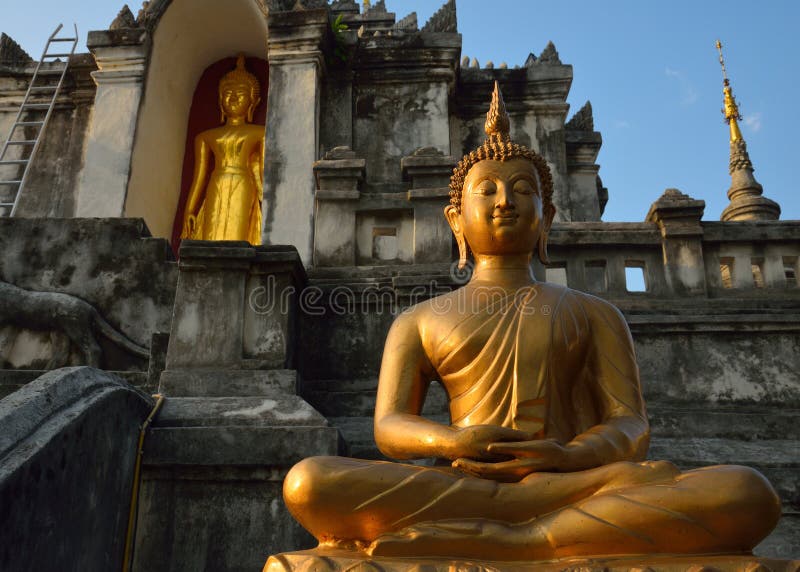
x=462, y=252
x=454, y=218
x=221, y=111
x=544, y=232
x=254, y=101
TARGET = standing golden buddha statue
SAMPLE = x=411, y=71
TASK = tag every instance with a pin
x=227, y=204
x=544, y=455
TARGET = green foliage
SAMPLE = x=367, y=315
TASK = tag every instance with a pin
x=339, y=28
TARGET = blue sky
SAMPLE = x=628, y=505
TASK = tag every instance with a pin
x=649, y=68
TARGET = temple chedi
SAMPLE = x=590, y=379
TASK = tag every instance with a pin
x=747, y=202
x=311, y=289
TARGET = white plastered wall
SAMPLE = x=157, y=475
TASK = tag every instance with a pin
x=191, y=35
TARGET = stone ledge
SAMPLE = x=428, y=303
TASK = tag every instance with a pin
x=337, y=195
x=116, y=38
x=276, y=410
x=429, y=193
x=238, y=446
x=226, y=383
x=327, y=560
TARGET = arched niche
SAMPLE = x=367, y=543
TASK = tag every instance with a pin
x=189, y=36
x=205, y=114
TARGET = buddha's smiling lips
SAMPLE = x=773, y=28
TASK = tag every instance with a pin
x=506, y=219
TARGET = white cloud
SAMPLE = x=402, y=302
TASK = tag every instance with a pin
x=688, y=92
x=753, y=122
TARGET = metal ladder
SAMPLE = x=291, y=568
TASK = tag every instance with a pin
x=40, y=98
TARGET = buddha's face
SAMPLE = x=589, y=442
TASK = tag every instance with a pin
x=235, y=99
x=501, y=208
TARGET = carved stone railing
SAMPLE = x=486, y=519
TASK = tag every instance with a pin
x=727, y=260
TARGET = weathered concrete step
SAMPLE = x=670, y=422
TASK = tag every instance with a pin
x=228, y=382
x=695, y=451
x=784, y=542
x=746, y=423
x=277, y=409
x=238, y=446
x=777, y=459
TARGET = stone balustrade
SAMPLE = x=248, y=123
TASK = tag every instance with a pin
x=617, y=260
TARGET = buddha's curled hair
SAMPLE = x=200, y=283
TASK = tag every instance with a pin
x=499, y=147
x=240, y=76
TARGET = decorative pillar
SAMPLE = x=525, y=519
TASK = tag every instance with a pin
x=678, y=218
x=339, y=176
x=429, y=171
x=121, y=57
x=296, y=65
x=583, y=145
x=233, y=322
x=232, y=424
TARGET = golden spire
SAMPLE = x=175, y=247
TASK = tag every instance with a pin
x=745, y=193
x=731, y=111
x=497, y=122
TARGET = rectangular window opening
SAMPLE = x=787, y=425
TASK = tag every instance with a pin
x=790, y=271
x=384, y=243
x=556, y=273
x=726, y=271
x=757, y=267
x=635, y=280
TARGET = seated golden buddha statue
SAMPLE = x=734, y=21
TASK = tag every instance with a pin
x=227, y=204
x=548, y=435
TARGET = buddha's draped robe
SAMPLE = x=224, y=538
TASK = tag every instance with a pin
x=231, y=209
x=553, y=362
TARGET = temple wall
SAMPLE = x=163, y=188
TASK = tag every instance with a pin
x=51, y=188
x=176, y=62
x=113, y=265
x=392, y=121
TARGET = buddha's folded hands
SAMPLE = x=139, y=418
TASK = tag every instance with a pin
x=526, y=457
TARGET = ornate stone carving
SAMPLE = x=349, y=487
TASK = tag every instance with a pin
x=582, y=120
x=11, y=53
x=56, y=313
x=549, y=55
x=309, y=4
x=378, y=8
x=124, y=19
x=740, y=158
x=408, y=24
x=342, y=152
x=444, y=20
x=345, y=7
x=530, y=60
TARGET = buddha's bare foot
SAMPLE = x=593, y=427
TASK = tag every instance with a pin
x=472, y=538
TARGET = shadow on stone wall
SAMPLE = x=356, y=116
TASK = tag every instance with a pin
x=67, y=454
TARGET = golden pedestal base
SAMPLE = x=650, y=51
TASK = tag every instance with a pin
x=326, y=560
